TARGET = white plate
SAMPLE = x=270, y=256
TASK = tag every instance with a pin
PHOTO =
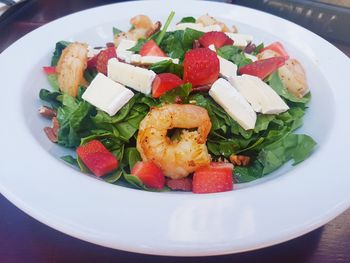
x=296, y=201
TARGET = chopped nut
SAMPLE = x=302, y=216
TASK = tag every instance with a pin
x=154, y=29
x=47, y=112
x=240, y=160
x=50, y=134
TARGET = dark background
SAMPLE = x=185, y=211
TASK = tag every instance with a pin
x=23, y=239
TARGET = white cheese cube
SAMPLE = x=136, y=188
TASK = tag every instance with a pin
x=122, y=49
x=227, y=68
x=139, y=79
x=134, y=58
x=212, y=28
x=233, y=103
x=240, y=40
x=149, y=60
x=106, y=94
x=260, y=95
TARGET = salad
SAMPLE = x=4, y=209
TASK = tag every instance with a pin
x=198, y=107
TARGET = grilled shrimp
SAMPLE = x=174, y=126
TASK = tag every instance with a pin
x=177, y=158
x=293, y=78
x=208, y=20
x=142, y=27
x=292, y=74
x=70, y=68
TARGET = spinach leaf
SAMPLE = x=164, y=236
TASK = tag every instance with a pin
x=258, y=49
x=116, y=31
x=52, y=79
x=293, y=146
x=242, y=174
x=138, y=45
x=277, y=85
x=90, y=74
x=180, y=92
x=50, y=97
x=112, y=178
x=70, y=160
x=132, y=156
x=58, y=51
x=188, y=19
x=167, y=66
x=234, y=54
x=134, y=181
x=177, y=43
x=72, y=119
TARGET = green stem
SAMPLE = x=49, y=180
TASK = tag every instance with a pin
x=166, y=25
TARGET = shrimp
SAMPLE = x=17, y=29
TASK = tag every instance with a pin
x=177, y=158
x=293, y=78
x=70, y=68
x=292, y=74
x=208, y=20
x=142, y=27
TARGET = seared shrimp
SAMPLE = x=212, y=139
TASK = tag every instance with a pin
x=208, y=20
x=292, y=74
x=177, y=158
x=142, y=27
x=70, y=68
x=293, y=78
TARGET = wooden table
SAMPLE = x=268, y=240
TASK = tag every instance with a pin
x=23, y=239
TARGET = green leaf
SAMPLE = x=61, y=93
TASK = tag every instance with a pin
x=234, y=54
x=277, y=85
x=116, y=31
x=58, y=51
x=180, y=92
x=132, y=156
x=166, y=25
x=258, y=49
x=167, y=66
x=50, y=97
x=188, y=19
x=90, y=74
x=133, y=181
x=112, y=178
x=70, y=160
x=138, y=45
x=52, y=79
x=242, y=174
x=293, y=146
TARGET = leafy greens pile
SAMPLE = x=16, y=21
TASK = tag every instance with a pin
x=271, y=144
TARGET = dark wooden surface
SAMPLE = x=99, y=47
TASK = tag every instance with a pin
x=23, y=239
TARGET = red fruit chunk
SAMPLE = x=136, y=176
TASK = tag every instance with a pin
x=264, y=67
x=276, y=47
x=49, y=70
x=150, y=48
x=201, y=67
x=217, y=177
x=218, y=39
x=165, y=82
x=103, y=57
x=150, y=174
x=97, y=158
x=184, y=184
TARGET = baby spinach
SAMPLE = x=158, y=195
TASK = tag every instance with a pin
x=180, y=93
x=188, y=19
x=167, y=66
x=234, y=54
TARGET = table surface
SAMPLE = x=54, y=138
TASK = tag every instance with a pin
x=23, y=239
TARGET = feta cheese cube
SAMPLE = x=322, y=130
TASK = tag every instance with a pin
x=233, y=103
x=260, y=95
x=122, y=49
x=137, y=78
x=106, y=94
